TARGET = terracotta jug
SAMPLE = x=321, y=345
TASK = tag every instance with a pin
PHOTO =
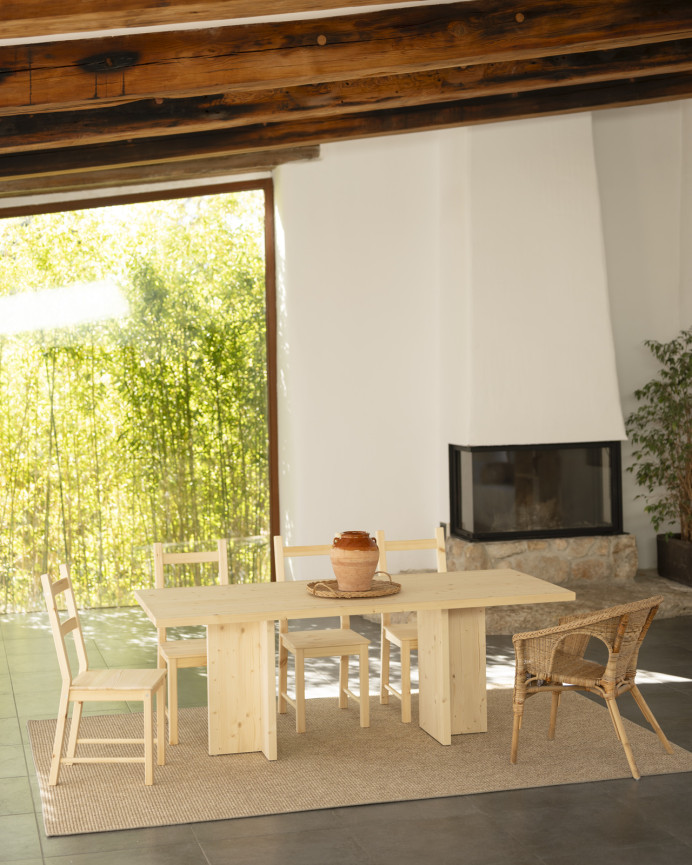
x=354, y=558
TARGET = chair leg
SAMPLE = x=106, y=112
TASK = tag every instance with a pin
x=516, y=726
x=161, y=724
x=172, y=677
x=384, y=668
x=59, y=738
x=406, y=682
x=649, y=715
x=148, y=740
x=622, y=735
x=283, y=678
x=554, y=706
x=74, y=730
x=364, y=688
x=343, y=682
x=300, y=691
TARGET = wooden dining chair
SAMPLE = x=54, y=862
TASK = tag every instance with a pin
x=552, y=660
x=403, y=634
x=327, y=643
x=174, y=654
x=98, y=685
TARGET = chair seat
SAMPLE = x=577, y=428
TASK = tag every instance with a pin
x=118, y=680
x=577, y=671
x=185, y=650
x=337, y=639
x=402, y=632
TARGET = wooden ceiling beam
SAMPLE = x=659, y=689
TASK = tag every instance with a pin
x=59, y=75
x=164, y=172
x=261, y=137
x=149, y=118
x=22, y=19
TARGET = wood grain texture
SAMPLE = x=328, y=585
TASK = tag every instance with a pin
x=24, y=18
x=59, y=75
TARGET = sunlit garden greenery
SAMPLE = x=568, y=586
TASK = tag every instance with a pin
x=148, y=424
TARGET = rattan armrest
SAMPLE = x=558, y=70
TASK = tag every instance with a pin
x=547, y=632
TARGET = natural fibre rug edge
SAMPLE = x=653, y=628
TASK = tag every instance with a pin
x=335, y=764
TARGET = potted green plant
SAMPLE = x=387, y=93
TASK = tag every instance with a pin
x=661, y=434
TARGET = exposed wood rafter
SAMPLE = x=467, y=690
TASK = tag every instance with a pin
x=110, y=107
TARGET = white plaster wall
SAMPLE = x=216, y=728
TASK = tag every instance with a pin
x=645, y=180
x=425, y=279
x=357, y=344
x=543, y=356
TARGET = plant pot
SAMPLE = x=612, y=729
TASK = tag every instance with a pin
x=354, y=557
x=674, y=558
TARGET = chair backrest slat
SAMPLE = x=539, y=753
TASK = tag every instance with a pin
x=61, y=628
x=162, y=558
x=437, y=543
x=282, y=552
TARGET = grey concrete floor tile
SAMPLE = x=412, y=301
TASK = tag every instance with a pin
x=12, y=761
x=10, y=732
x=473, y=839
x=390, y=813
x=38, y=703
x=20, y=837
x=129, y=656
x=270, y=824
x=170, y=854
x=310, y=847
x=36, y=680
x=8, y=708
x=15, y=797
x=123, y=843
x=611, y=824
x=667, y=853
x=24, y=861
x=31, y=645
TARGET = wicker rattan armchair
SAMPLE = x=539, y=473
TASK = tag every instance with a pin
x=552, y=661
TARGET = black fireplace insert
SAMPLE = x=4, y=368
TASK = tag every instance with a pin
x=535, y=491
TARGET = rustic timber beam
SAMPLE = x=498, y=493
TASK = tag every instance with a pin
x=165, y=172
x=57, y=75
x=21, y=19
x=148, y=118
x=353, y=126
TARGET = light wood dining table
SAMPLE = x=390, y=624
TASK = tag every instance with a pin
x=241, y=654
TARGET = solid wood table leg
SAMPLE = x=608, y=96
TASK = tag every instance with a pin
x=434, y=690
x=241, y=687
x=469, y=706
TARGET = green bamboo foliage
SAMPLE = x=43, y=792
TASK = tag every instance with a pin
x=148, y=426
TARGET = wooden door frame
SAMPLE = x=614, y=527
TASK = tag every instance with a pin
x=266, y=185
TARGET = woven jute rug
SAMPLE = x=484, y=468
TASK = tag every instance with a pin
x=336, y=763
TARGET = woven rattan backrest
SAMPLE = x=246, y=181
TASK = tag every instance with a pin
x=162, y=558
x=282, y=552
x=52, y=592
x=621, y=628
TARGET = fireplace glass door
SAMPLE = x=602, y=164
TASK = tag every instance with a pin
x=535, y=491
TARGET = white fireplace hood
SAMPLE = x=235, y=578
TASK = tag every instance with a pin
x=526, y=337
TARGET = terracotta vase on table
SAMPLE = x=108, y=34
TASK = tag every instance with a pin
x=354, y=556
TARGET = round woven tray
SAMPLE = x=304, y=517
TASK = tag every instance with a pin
x=329, y=589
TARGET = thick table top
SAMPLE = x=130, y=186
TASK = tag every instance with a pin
x=257, y=602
